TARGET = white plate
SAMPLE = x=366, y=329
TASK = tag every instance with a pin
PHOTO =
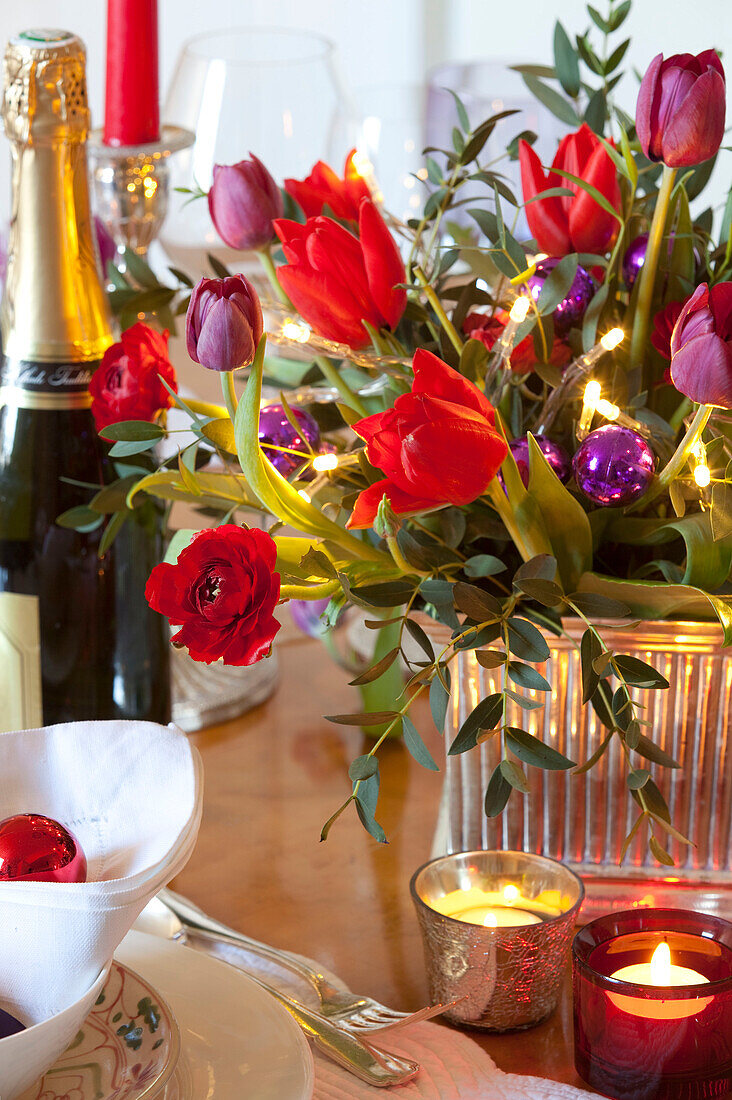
x=237, y=1043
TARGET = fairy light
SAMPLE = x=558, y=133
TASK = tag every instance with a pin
x=593, y=391
x=702, y=473
x=297, y=331
x=504, y=344
x=574, y=372
x=607, y=409
x=305, y=496
x=328, y=461
x=593, y=402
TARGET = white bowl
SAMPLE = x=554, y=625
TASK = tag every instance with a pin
x=25, y=1056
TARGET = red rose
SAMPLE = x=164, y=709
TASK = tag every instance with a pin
x=479, y=326
x=222, y=591
x=571, y=223
x=336, y=280
x=125, y=385
x=323, y=188
x=438, y=445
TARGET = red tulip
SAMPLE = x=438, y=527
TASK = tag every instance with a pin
x=224, y=323
x=222, y=591
x=323, y=188
x=573, y=223
x=679, y=117
x=487, y=329
x=243, y=202
x=336, y=280
x=125, y=385
x=438, y=445
x=701, y=346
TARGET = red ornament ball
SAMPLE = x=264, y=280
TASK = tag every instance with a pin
x=34, y=848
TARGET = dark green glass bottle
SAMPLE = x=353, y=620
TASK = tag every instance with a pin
x=77, y=639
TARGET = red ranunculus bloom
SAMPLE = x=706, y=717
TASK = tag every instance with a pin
x=125, y=385
x=323, y=188
x=222, y=592
x=571, y=223
x=681, y=105
x=663, y=326
x=438, y=445
x=336, y=280
x=701, y=346
x=487, y=329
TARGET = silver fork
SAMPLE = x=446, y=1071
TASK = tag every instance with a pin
x=359, y=1014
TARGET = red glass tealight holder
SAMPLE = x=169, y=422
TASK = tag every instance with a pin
x=653, y=1005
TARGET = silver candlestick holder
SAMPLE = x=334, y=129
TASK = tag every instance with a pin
x=130, y=191
x=130, y=185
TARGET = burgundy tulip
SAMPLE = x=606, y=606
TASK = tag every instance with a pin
x=243, y=202
x=679, y=117
x=224, y=323
x=701, y=346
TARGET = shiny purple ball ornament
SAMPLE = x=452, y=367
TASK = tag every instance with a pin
x=555, y=455
x=276, y=429
x=614, y=466
x=570, y=311
x=634, y=258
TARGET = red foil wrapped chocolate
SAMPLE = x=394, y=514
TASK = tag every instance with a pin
x=38, y=849
x=647, y=1041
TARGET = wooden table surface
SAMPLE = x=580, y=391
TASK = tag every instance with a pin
x=272, y=778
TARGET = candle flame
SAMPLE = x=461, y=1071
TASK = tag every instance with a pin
x=490, y=921
x=511, y=894
x=661, y=965
x=519, y=309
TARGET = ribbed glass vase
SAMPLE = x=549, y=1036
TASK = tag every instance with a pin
x=584, y=819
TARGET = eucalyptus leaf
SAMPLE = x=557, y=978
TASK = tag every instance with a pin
x=486, y=715
x=132, y=431
x=526, y=641
x=497, y=793
x=534, y=752
x=514, y=775
x=416, y=745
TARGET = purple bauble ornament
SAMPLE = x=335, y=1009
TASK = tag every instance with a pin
x=275, y=428
x=614, y=466
x=571, y=309
x=555, y=455
x=634, y=258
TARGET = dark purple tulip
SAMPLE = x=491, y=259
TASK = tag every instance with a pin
x=570, y=311
x=243, y=202
x=105, y=243
x=555, y=455
x=681, y=106
x=613, y=466
x=276, y=429
x=224, y=323
x=701, y=346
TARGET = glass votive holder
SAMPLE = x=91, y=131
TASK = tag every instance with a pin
x=496, y=928
x=653, y=1005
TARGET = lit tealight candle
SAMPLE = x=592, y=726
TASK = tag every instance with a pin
x=660, y=972
x=506, y=908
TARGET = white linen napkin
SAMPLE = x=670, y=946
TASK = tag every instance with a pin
x=453, y=1066
x=131, y=793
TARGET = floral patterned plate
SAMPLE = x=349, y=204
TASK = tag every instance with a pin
x=127, y=1048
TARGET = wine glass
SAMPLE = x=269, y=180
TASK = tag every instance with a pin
x=391, y=138
x=275, y=93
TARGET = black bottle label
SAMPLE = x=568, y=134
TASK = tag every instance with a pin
x=33, y=385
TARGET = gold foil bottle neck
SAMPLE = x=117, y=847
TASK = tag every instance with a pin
x=45, y=87
x=54, y=308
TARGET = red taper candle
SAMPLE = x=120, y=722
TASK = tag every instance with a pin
x=132, y=111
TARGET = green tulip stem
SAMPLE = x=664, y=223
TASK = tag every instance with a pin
x=647, y=279
x=265, y=256
x=309, y=591
x=502, y=505
x=401, y=562
x=230, y=398
x=676, y=463
x=450, y=330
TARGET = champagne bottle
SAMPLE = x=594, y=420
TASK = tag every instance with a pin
x=77, y=640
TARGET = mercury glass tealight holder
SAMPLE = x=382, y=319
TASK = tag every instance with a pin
x=496, y=928
x=653, y=1005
